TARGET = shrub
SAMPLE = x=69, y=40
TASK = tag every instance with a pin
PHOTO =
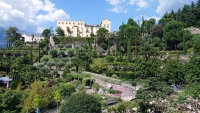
x=67, y=90
x=81, y=103
x=60, y=46
x=65, y=60
x=60, y=65
x=180, y=46
x=110, y=59
x=40, y=65
x=115, y=76
x=53, y=53
x=54, y=72
x=50, y=64
x=104, y=78
x=112, y=91
x=68, y=46
x=95, y=86
x=45, y=59
x=62, y=53
x=70, y=52
x=65, y=72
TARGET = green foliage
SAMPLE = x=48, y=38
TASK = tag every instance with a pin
x=62, y=53
x=68, y=46
x=45, y=59
x=65, y=72
x=153, y=89
x=60, y=31
x=110, y=58
x=18, y=43
x=37, y=101
x=9, y=100
x=70, y=52
x=104, y=78
x=95, y=86
x=50, y=64
x=121, y=74
x=56, y=40
x=57, y=96
x=54, y=72
x=114, y=76
x=60, y=46
x=81, y=103
x=99, y=65
x=197, y=46
x=60, y=64
x=112, y=91
x=102, y=35
x=53, y=53
x=66, y=90
x=173, y=32
x=193, y=90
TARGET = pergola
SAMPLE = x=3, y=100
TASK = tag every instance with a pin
x=5, y=80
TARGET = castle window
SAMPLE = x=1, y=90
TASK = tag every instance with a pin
x=107, y=26
x=62, y=22
x=66, y=22
x=58, y=22
x=104, y=25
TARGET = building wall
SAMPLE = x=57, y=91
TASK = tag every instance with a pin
x=80, y=28
x=106, y=24
x=28, y=38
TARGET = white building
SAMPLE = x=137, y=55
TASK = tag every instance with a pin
x=28, y=38
x=80, y=28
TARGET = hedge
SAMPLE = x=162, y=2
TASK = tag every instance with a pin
x=121, y=74
x=104, y=78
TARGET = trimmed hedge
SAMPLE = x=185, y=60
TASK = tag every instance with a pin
x=104, y=78
x=121, y=74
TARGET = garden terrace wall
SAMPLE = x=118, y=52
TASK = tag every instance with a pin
x=104, y=78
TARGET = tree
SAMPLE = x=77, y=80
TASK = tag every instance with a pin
x=46, y=33
x=9, y=100
x=54, y=72
x=173, y=72
x=53, y=53
x=67, y=90
x=37, y=101
x=197, y=46
x=147, y=50
x=70, y=52
x=131, y=37
x=173, y=32
x=99, y=65
x=11, y=35
x=102, y=35
x=60, y=31
x=18, y=43
x=45, y=59
x=60, y=65
x=57, y=97
x=50, y=64
x=81, y=103
x=157, y=31
x=153, y=89
x=60, y=46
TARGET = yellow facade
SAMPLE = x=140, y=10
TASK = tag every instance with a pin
x=80, y=28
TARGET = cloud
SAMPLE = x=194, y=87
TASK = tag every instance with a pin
x=120, y=6
x=166, y=6
x=52, y=16
x=28, y=17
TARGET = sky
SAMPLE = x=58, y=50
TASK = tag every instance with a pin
x=37, y=15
